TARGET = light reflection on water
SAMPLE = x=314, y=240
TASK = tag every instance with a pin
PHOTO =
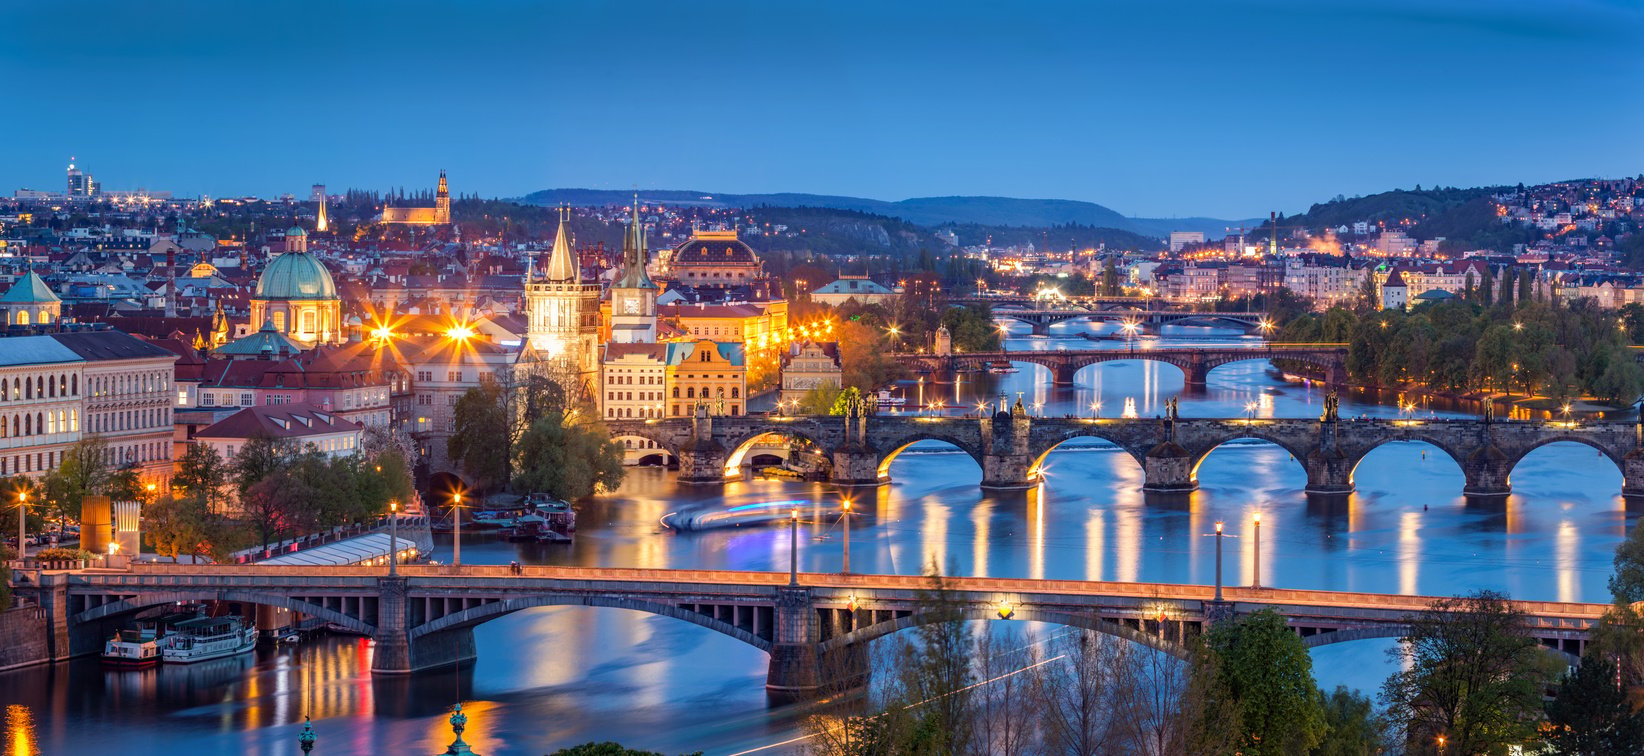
x=555, y=676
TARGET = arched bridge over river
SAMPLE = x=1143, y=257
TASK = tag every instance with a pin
x=1010, y=447
x=424, y=617
x=1195, y=362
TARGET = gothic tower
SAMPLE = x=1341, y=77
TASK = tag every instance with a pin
x=633, y=294
x=442, y=202
x=562, y=316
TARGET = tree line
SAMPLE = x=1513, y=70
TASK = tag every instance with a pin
x=533, y=437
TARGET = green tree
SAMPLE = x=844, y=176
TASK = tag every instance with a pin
x=606, y=749
x=81, y=473
x=259, y=458
x=864, y=354
x=844, y=399
x=1352, y=727
x=1470, y=674
x=1110, y=278
x=201, y=473
x=1590, y=714
x=972, y=328
x=567, y=460
x=176, y=525
x=818, y=401
x=1266, y=668
x=481, y=441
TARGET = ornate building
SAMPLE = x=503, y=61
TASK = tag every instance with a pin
x=715, y=258
x=633, y=294
x=295, y=294
x=438, y=215
x=562, y=316
x=31, y=302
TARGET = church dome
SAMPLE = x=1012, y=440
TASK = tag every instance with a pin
x=296, y=231
x=296, y=275
x=715, y=249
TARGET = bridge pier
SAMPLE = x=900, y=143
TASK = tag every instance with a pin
x=1486, y=471
x=856, y=468
x=1328, y=473
x=1632, y=476
x=1040, y=327
x=1007, y=464
x=1168, y=469
x=392, y=654
x=1062, y=374
x=1195, y=373
x=795, y=668
x=702, y=466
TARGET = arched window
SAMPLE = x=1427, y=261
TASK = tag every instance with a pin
x=676, y=392
x=690, y=392
x=22, y=317
x=74, y=421
x=51, y=388
x=28, y=389
x=28, y=425
x=51, y=422
x=74, y=384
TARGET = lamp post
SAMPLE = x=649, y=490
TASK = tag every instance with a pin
x=1218, y=560
x=393, y=538
x=22, y=521
x=845, y=515
x=793, y=548
x=456, y=529
x=1256, y=578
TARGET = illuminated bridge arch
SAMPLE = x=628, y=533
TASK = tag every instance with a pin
x=1174, y=647
x=752, y=625
x=895, y=447
x=143, y=601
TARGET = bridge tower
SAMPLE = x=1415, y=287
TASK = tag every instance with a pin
x=1329, y=470
x=855, y=462
x=702, y=458
x=1007, y=459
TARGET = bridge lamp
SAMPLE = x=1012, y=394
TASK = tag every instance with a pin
x=1250, y=409
x=1266, y=325
x=1518, y=326
x=1096, y=408
x=850, y=603
x=1005, y=610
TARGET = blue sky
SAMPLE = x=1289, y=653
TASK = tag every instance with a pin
x=1161, y=108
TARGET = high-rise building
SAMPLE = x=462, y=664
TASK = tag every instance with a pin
x=80, y=183
x=633, y=294
x=562, y=317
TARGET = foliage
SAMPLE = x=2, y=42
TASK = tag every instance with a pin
x=480, y=444
x=201, y=474
x=844, y=400
x=1590, y=714
x=1627, y=584
x=819, y=401
x=1352, y=726
x=567, y=460
x=864, y=357
x=176, y=525
x=81, y=473
x=1267, y=670
x=1470, y=674
x=972, y=328
x=57, y=554
x=259, y=458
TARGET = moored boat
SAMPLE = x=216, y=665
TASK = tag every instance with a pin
x=203, y=638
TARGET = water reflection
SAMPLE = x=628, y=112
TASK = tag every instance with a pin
x=556, y=676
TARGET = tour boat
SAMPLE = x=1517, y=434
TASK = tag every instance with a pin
x=205, y=638
x=559, y=520
x=133, y=648
x=886, y=401
x=525, y=528
x=1000, y=367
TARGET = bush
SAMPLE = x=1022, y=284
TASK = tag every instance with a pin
x=61, y=554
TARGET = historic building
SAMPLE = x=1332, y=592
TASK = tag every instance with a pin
x=633, y=294
x=810, y=366
x=716, y=259
x=295, y=293
x=30, y=302
x=634, y=380
x=706, y=373
x=438, y=215
x=562, y=318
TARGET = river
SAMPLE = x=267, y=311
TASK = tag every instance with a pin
x=550, y=677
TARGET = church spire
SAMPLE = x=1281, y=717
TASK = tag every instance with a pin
x=634, y=256
x=562, y=264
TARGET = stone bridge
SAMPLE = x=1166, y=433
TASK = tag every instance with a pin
x=1011, y=446
x=1139, y=321
x=425, y=616
x=1195, y=363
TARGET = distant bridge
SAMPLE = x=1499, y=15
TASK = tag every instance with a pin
x=424, y=617
x=1137, y=321
x=1010, y=447
x=1195, y=362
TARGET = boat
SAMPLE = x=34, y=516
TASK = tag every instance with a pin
x=559, y=519
x=202, y=638
x=525, y=527
x=886, y=401
x=1001, y=367
x=781, y=472
x=135, y=648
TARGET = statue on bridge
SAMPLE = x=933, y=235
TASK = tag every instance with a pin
x=1173, y=409
x=1332, y=408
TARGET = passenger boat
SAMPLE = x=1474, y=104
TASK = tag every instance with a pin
x=525, y=528
x=205, y=638
x=1000, y=367
x=559, y=520
x=139, y=647
x=886, y=401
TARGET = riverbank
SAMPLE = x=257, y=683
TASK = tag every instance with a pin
x=1416, y=397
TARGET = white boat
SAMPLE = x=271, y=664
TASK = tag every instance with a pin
x=885, y=400
x=132, y=648
x=205, y=638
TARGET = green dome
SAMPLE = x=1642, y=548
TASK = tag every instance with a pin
x=296, y=231
x=296, y=275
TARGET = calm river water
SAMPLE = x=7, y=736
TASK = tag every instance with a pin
x=552, y=677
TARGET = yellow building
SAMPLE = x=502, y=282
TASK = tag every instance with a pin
x=754, y=324
x=706, y=373
x=438, y=215
x=297, y=295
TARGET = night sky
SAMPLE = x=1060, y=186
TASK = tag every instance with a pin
x=1225, y=108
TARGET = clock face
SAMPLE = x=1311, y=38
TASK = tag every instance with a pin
x=630, y=306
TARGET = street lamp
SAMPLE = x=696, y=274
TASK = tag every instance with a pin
x=22, y=521
x=1096, y=409
x=1256, y=577
x=845, y=518
x=456, y=530
x=1250, y=409
x=793, y=548
x=393, y=537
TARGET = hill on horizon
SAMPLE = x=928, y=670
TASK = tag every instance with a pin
x=923, y=211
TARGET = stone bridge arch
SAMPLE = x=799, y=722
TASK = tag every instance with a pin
x=737, y=446
x=664, y=438
x=1133, y=446
x=887, y=451
x=749, y=630
x=1375, y=632
x=148, y=600
x=1299, y=449
x=1517, y=454
x=985, y=613
x=1462, y=455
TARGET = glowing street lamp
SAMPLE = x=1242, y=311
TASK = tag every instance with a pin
x=1256, y=535
x=393, y=537
x=845, y=518
x=456, y=530
x=1250, y=409
x=1096, y=409
x=793, y=548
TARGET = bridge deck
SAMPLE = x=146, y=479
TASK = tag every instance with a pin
x=481, y=577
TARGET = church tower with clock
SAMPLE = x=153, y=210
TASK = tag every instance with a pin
x=562, y=316
x=633, y=294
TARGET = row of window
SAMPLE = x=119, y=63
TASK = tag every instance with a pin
x=25, y=387
x=731, y=409
x=129, y=420
x=40, y=423
x=628, y=396
x=46, y=461
x=691, y=393
x=134, y=383
x=628, y=380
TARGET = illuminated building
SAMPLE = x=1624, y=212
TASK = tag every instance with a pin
x=30, y=302
x=562, y=316
x=322, y=222
x=861, y=289
x=80, y=183
x=715, y=258
x=633, y=294
x=634, y=380
x=1395, y=293
x=438, y=215
x=810, y=366
x=296, y=294
x=705, y=373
